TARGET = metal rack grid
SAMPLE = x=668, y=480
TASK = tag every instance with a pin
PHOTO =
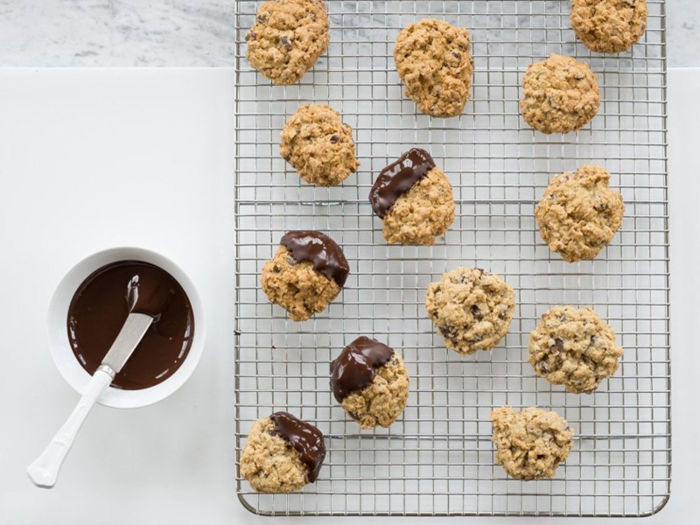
x=438, y=458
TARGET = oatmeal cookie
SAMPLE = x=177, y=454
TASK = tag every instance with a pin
x=371, y=383
x=434, y=61
x=609, y=26
x=414, y=199
x=287, y=38
x=560, y=95
x=306, y=274
x=575, y=348
x=532, y=443
x=319, y=146
x=282, y=454
x=472, y=309
x=579, y=214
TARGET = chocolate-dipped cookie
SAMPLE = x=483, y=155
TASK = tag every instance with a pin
x=414, y=199
x=306, y=274
x=371, y=383
x=282, y=454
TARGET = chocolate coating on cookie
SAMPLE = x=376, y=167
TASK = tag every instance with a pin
x=354, y=369
x=269, y=463
x=321, y=251
x=397, y=178
x=306, y=439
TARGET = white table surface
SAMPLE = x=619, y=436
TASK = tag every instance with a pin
x=91, y=159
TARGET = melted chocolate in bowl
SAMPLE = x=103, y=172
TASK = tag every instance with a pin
x=397, y=178
x=101, y=305
x=306, y=439
x=355, y=367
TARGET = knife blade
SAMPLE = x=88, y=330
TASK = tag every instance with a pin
x=123, y=346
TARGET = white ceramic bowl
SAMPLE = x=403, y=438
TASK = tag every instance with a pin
x=66, y=361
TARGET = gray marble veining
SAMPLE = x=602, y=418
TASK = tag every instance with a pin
x=683, y=33
x=186, y=33
x=116, y=33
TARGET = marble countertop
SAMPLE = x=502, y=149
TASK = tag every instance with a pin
x=186, y=33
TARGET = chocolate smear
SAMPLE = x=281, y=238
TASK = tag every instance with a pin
x=354, y=369
x=319, y=249
x=306, y=439
x=397, y=178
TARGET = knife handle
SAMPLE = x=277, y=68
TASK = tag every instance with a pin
x=44, y=471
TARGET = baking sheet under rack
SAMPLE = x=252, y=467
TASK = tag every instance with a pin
x=438, y=458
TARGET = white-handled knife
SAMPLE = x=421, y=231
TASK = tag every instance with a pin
x=44, y=471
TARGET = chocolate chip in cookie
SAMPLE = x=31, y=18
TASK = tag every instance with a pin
x=530, y=444
x=560, y=95
x=287, y=38
x=319, y=145
x=575, y=348
x=472, y=309
x=609, y=26
x=579, y=214
x=435, y=64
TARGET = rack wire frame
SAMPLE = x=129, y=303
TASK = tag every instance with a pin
x=438, y=458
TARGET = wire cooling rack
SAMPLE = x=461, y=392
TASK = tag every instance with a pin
x=438, y=458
